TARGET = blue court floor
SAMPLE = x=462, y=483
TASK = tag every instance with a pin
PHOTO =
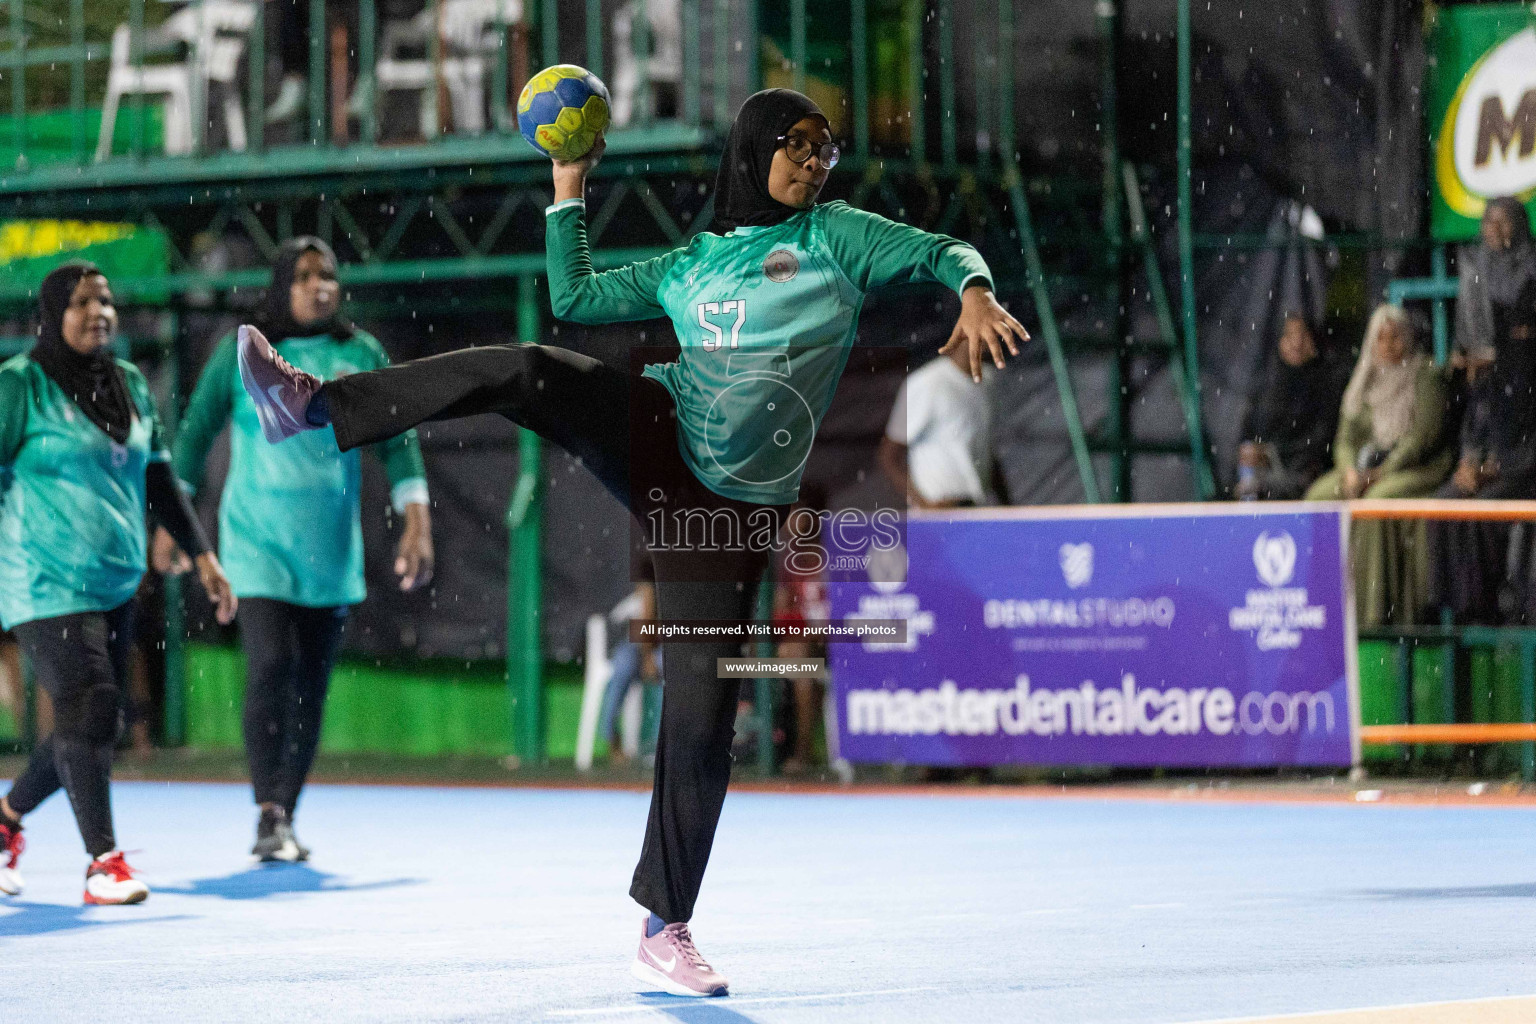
x=511, y=905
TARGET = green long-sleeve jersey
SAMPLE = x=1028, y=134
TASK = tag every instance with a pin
x=72, y=501
x=290, y=517
x=766, y=317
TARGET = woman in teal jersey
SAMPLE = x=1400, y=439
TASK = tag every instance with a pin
x=766, y=307
x=290, y=530
x=81, y=464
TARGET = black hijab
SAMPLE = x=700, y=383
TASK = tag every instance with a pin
x=741, y=184
x=275, y=315
x=93, y=382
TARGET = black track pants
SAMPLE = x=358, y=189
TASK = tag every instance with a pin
x=624, y=430
x=81, y=660
x=289, y=653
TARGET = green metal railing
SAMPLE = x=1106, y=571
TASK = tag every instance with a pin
x=1437, y=288
x=974, y=145
x=1449, y=638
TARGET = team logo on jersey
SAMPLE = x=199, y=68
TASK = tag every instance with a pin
x=780, y=266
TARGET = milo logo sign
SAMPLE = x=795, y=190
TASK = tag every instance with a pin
x=1484, y=122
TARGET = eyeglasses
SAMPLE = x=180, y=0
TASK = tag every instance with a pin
x=799, y=149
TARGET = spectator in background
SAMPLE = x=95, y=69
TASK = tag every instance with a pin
x=937, y=447
x=1389, y=445
x=1288, y=432
x=631, y=662
x=1496, y=345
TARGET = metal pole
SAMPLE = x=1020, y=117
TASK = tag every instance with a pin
x=1204, y=480
x=19, y=84
x=136, y=47
x=947, y=83
x=256, y=118
x=1119, y=425
x=797, y=43
x=1005, y=133
x=549, y=31
x=640, y=36
x=525, y=655
x=499, y=121
x=198, y=96
x=692, y=54
x=317, y=71
x=751, y=46
x=1186, y=204
x=595, y=36
x=859, y=43
x=435, y=58
x=367, y=68
x=721, y=89
x=1438, y=318
x=77, y=79
x=916, y=114
x=986, y=137
x=171, y=592
x=1050, y=332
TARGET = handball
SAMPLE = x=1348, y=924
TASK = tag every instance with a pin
x=562, y=110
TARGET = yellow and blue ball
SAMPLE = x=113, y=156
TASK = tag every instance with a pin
x=562, y=110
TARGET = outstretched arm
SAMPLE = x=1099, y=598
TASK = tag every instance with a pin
x=576, y=291
x=872, y=251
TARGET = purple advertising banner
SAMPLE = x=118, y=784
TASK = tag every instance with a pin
x=1172, y=635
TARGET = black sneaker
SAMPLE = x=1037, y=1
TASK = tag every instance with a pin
x=274, y=839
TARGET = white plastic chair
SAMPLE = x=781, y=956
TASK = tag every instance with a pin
x=214, y=32
x=469, y=43
x=665, y=66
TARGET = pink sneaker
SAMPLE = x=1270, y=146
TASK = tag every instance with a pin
x=670, y=961
x=280, y=392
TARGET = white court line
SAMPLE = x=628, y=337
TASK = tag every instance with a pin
x=731, y=1002
x=1047, y=910
x=1155, y=906
x=1390, y=1007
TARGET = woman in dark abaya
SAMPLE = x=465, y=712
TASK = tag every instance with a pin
x=1470, y=563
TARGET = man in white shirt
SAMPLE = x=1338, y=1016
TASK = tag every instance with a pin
x=937, y=446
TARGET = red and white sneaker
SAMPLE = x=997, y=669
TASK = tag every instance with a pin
x=670, y=961
x=11, y=846
x=109, y=881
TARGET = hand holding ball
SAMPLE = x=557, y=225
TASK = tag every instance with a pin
x=562, y=111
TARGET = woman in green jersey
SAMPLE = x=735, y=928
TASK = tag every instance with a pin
x=766, y=307
x=290, y=530
x=81, y=464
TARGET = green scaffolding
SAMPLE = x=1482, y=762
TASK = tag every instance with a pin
x=331, y=177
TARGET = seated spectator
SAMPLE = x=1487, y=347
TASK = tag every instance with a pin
x=1496, y=345
x=1388, y=441
x=1288, y=432
x=1389, y=445
x=937, y=447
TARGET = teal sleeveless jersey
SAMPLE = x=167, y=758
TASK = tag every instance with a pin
x=766, y=317
x=72, y=504
x=290, y=519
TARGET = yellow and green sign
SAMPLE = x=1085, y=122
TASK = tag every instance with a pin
x=1482, y=109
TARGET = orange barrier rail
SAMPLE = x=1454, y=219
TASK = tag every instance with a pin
x=1443, y=508
x=1486, y=732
